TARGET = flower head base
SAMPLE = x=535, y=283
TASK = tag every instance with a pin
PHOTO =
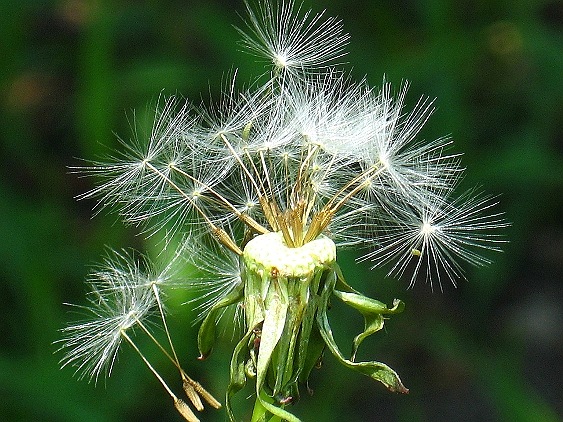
x=286, y=298
x=263, y=190
x=280, y=300
x=268, y=255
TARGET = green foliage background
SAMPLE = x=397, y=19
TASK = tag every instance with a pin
x=72, y=70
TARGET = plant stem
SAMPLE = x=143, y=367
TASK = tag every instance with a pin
x=260, y=414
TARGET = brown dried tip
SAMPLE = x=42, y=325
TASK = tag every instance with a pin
x=185, y=410
x=399, y=388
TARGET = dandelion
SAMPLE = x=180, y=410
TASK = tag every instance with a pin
x=264, y=189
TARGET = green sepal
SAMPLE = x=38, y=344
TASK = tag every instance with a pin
x=272, y=330
x=284, y=415
x=375, y=370
x=276, y=304
x=311, y=346
x=208, y=329
x=263, y=408
x=314, y=355
x=237, y=371
x=368, y=306
x=297, y=351
x=340, y=281
x=372, y=310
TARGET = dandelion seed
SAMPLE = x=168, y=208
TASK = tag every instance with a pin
x=293, y=42
x=185, y=410
x=180, y=405
x=439, y=234
x=117, y=303
x=409, y=168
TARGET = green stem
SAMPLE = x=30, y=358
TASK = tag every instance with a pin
x=260, y=413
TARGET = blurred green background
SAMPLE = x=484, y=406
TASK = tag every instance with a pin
x=71, y=73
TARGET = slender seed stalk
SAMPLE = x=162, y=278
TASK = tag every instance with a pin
x=156, y=374
x=188, y=383
x=322, y=219
x=219, y=233
x=242, y=166
x=163, y=318
x=222, y=200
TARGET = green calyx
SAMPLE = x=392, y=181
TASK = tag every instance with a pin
x=280, y=304
x=285, y=295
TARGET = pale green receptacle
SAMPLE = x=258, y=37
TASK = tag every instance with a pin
x=268, y=252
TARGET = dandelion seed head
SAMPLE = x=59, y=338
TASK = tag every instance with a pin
x=309, y=153
x=444, y=232
x=265, y=185
x=384, y=160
